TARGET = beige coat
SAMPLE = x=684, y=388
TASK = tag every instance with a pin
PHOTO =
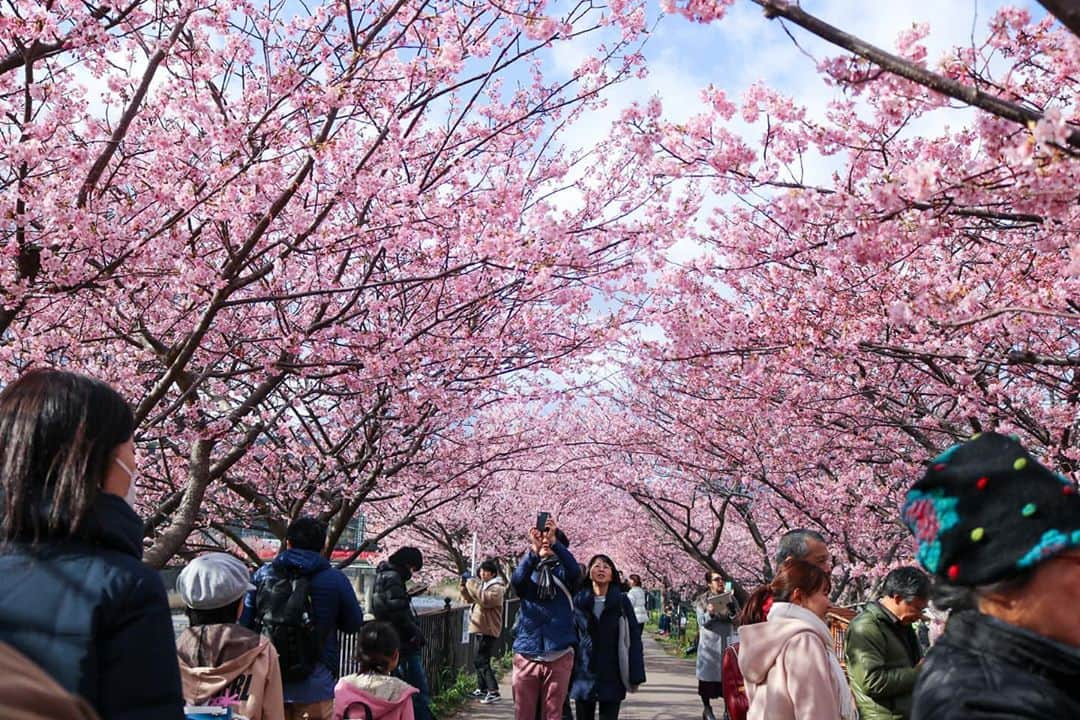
x=28, y=693
x=228, y=664
x=789, y=670
x=487, y=611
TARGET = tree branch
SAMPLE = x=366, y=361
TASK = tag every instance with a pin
x=907, y=69
x=1067, y=11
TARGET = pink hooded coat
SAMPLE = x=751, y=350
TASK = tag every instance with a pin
x=789, y=670
x=388, y=697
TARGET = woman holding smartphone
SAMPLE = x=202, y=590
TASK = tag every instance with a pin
x=485, y=625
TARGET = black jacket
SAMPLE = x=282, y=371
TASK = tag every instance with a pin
x=985, y=669
x=391, y=603
x=597, y=673
x=94, y=617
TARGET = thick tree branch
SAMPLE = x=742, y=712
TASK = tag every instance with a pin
x=1067, y=11
x=907, y=69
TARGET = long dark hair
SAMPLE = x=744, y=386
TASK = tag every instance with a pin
x=793, y=575
x=58, y=431
x=379, y=642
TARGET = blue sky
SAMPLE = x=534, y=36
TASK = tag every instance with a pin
x=744, y=47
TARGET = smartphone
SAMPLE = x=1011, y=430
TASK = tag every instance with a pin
x=727, y=586
x=542, y=521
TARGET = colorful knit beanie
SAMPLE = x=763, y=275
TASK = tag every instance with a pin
x=986, y=510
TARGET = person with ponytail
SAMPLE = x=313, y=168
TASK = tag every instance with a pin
x=786, y=661
x=374, y=693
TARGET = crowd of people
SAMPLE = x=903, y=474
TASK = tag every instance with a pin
x=86, y=630
x=998, y=535
x=577, y=635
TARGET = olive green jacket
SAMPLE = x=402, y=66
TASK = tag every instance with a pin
x=881, y=656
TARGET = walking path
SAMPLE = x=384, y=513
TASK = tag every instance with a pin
x=669, y=694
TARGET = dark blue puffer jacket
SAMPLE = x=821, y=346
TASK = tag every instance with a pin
x=544, y=626
x=94, y=617
x=335, y=607
x=596, y=668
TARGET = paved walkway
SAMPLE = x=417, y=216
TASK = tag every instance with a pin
x=669, y=694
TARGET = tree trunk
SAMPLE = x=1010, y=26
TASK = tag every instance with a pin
x=169, y=542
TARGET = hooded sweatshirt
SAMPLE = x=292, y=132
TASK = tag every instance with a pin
x=389, y=698
x=229, y=665
x=790, y=672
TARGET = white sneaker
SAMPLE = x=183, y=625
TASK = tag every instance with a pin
x=491, y=698
x=478, y=693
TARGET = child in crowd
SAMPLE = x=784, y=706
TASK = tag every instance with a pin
x=664, y=624
x=373, y=693
x=223, y=663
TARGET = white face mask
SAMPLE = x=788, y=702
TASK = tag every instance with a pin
x=133, y=493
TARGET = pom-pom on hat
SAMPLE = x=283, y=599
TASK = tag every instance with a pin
x=986, y=510
x=212, y=581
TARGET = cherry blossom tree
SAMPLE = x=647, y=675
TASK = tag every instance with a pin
x=307, y=242
x=837, y=332
x=342, y=259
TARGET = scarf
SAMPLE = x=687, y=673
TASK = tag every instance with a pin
x=545, y=578
x=843, y=691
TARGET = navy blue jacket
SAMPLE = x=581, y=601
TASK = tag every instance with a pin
x=94, y=617
x=335, y=607
x=544, y=626
x=596, y=668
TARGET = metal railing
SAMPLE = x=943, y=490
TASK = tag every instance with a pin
x=448, y=648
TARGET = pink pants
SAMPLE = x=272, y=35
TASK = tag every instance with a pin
x=542, y=684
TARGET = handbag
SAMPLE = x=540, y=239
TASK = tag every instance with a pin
x=734, y=687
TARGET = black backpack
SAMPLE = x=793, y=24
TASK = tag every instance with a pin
x=284, y=614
